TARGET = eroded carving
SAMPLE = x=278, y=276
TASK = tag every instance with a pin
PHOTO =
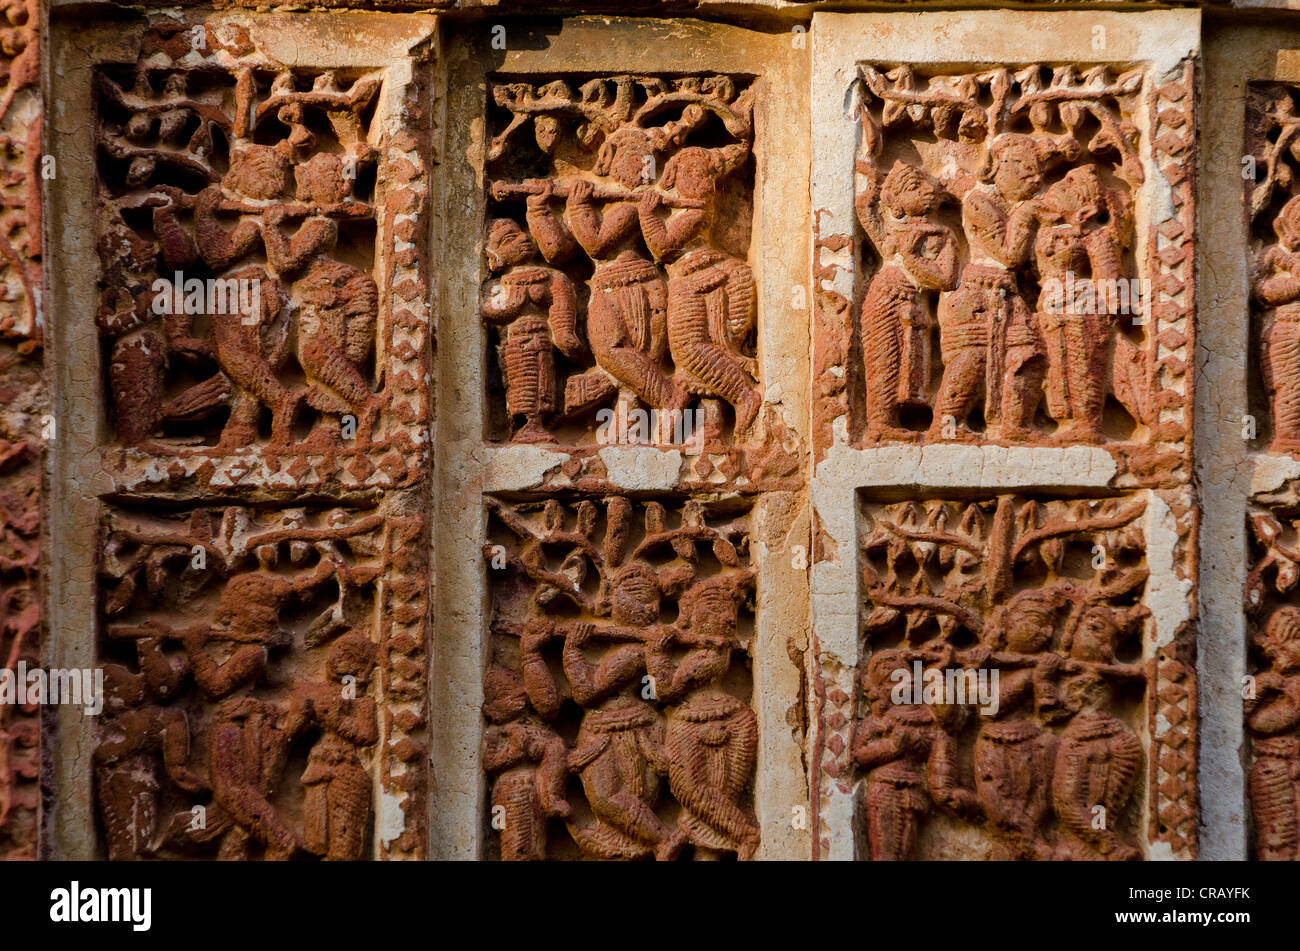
x=619, y=637
x=22, y=429
x=20, y=607
x=236, y=644
x=1044, y=763
x=1272, y=701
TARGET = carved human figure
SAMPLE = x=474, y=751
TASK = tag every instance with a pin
x=618, y=668
x=712, y=740
x=539, y=309
x=266, y=188
x=711, y=295
x=249, y=740
x=530, y=763
x=337, y=788
x=134, y=730
x=324, y=182
x=1272, y=717
x=620, y=753
x=1013, y=755
x=1081, y=238
x=910, y=754
x=1276, y=285
x=918, y=257
x=251, y=348
x=628, y=303
x=247, y=625
x=1097, y=763
x=138, y=357
x=258, y=174
x=990, y=346
x=337, y=311
x=620, y=756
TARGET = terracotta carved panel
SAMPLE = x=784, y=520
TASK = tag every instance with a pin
x=22, y=396
x=1273, y=199
x=621, y=302
x=262, y=308
x=617, y=694
x=264, y=682
x=1011, y=685
x=22, y=410
x=1023, y=272
x=1272, y=714
x=1272, y=719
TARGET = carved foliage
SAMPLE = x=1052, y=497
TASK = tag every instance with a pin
x=617, y=692
x=1048, y=595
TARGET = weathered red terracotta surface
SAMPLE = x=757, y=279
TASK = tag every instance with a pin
x=22, y=429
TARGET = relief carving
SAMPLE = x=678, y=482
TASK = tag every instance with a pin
x=617, y=693
x=20, y=607
x=1047, y=596
x=1272, y=703
x=239, y=652
x=1007, y=299
x=1272, y=125
x=22, y=408
x=621, y=213
x=250, y=306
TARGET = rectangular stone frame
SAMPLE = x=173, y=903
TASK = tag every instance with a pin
x=469, y=469
x=1169, y=41
x=82, y=477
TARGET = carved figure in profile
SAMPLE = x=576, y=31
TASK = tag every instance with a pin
x=910, y=755
x=711, y=295
x=538, y=307
x=1275, y=284
x=1272, y=716
x=919, y=254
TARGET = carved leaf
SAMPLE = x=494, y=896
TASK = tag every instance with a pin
x=881, y=617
